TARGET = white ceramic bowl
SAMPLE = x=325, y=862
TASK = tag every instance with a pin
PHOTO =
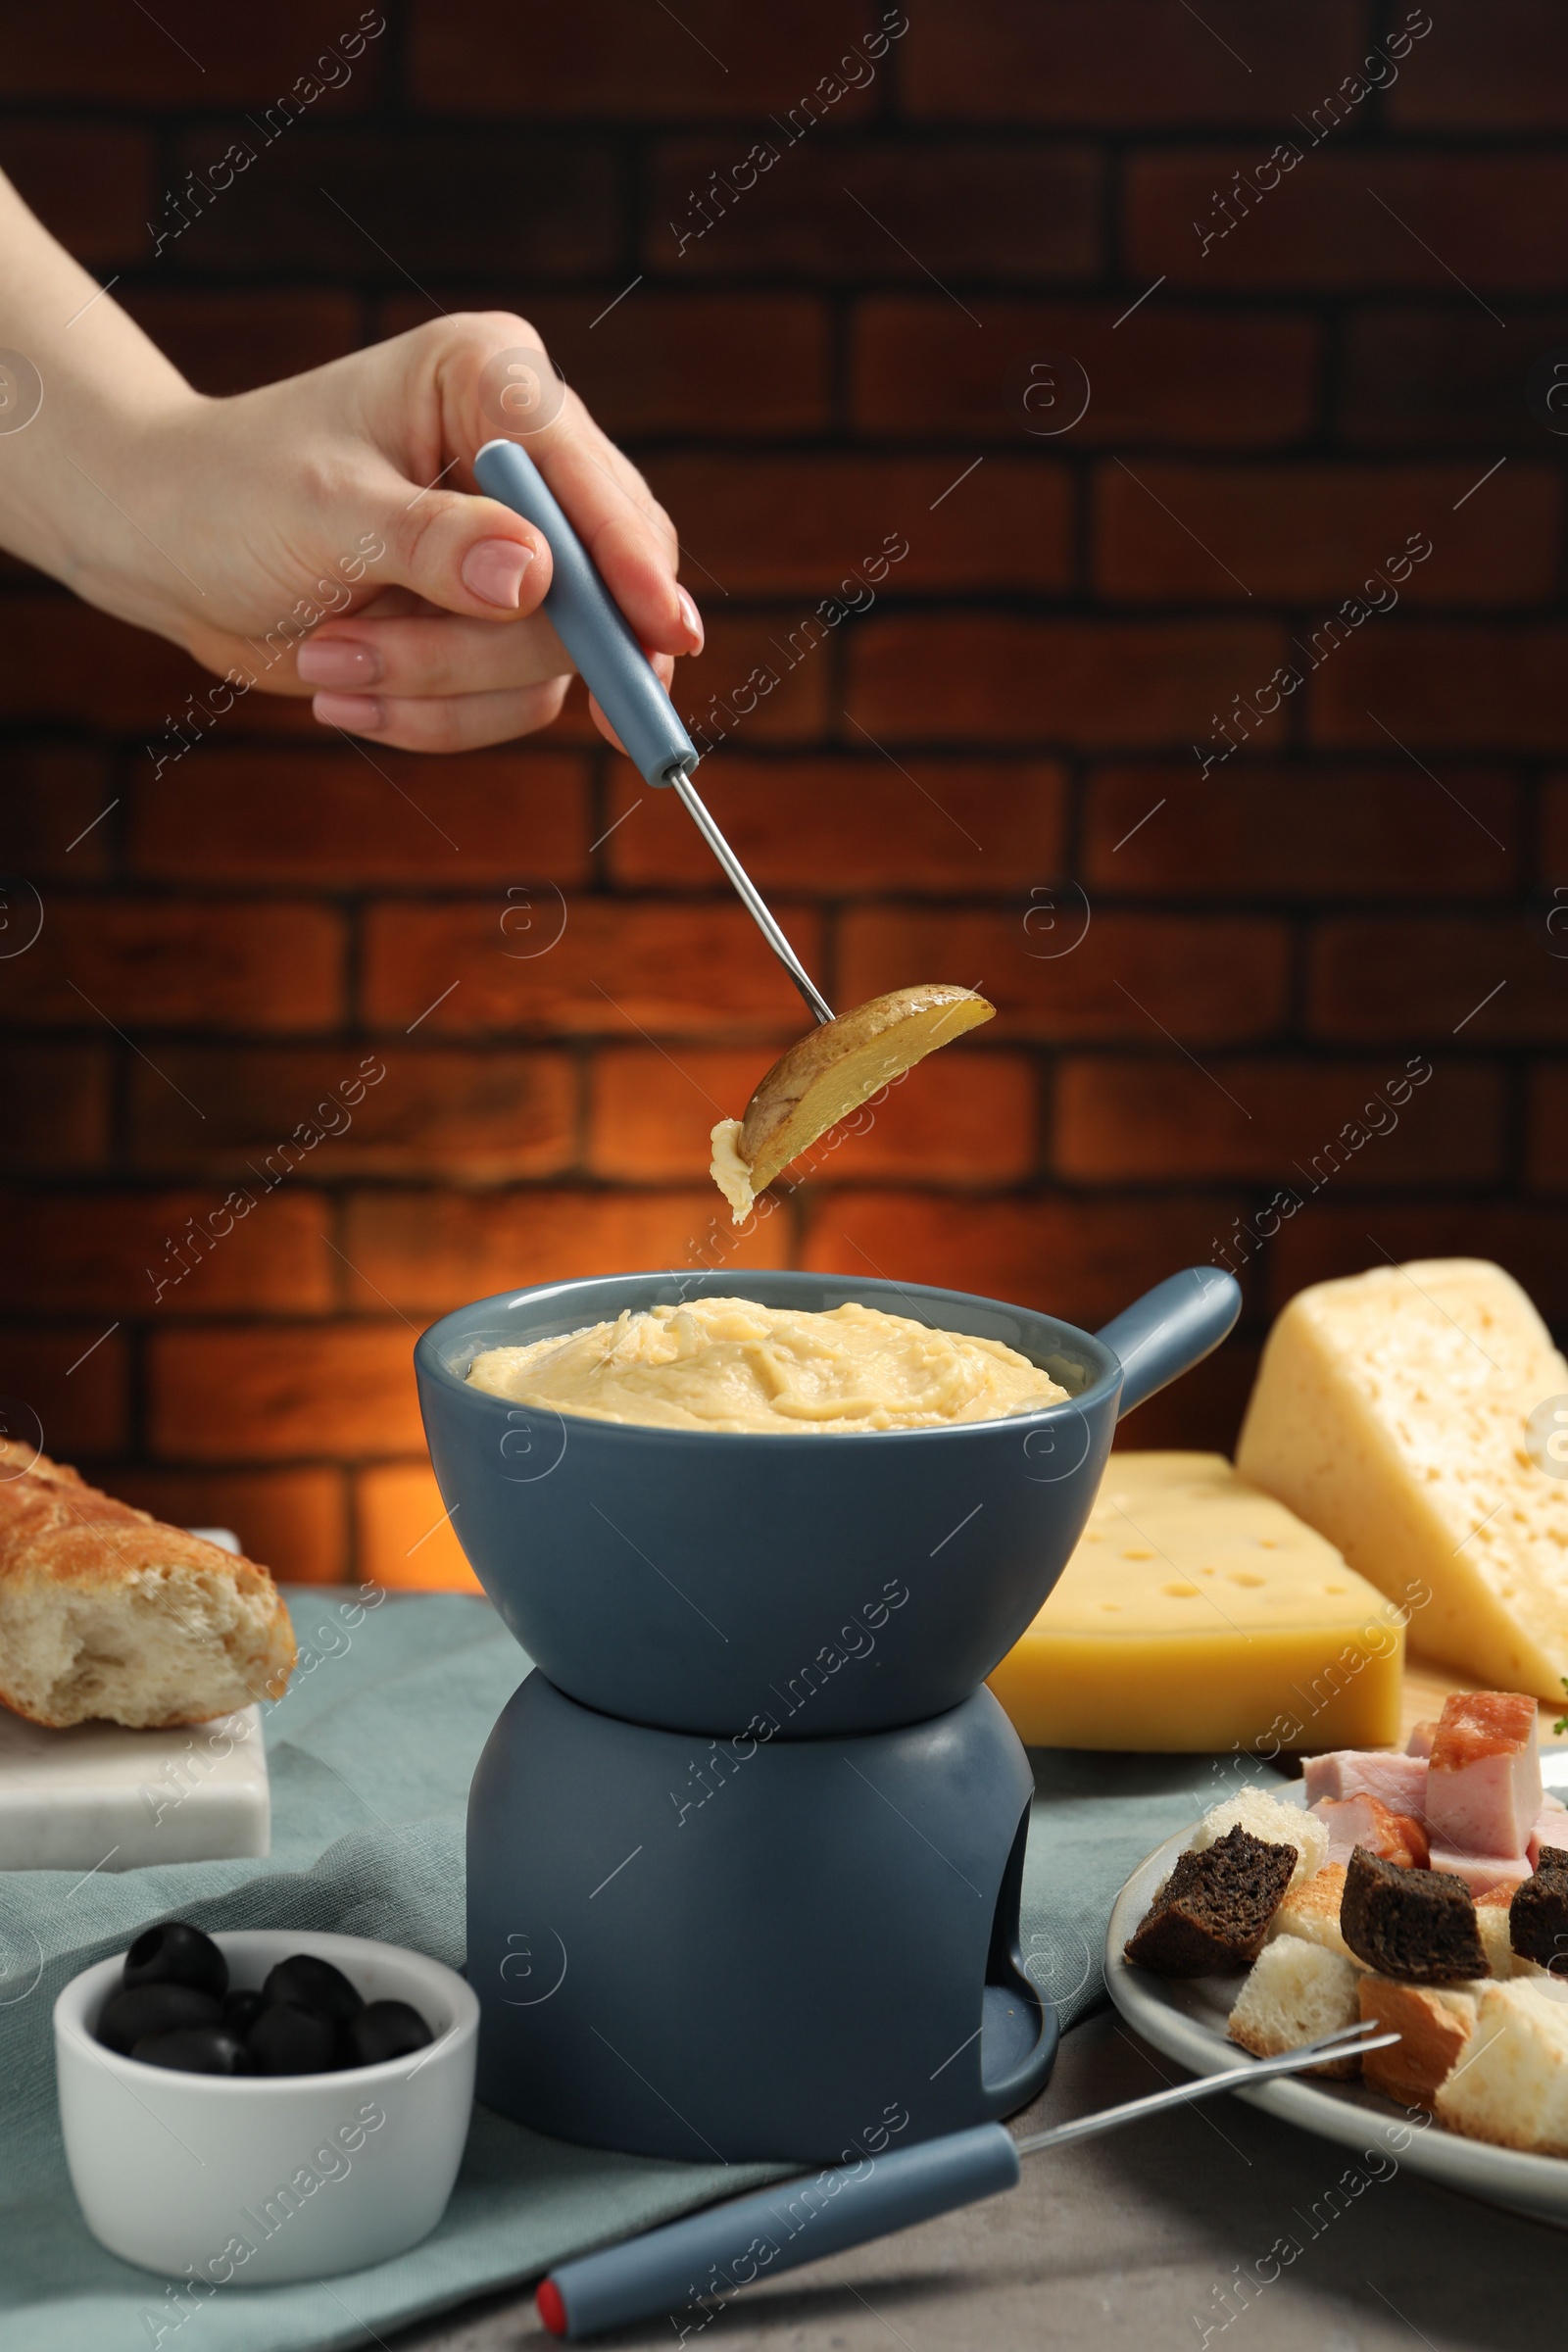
x=246, y=2180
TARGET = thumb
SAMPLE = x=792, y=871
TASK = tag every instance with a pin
x=467, y=554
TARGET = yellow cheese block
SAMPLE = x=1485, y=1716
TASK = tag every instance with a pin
x=1393, y=1411
x=1198, y=1613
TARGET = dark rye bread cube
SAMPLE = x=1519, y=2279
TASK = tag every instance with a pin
x=1537, y=1916
x=1212, y=1912
x=1416, y=1926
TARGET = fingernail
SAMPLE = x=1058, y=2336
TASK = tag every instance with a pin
x=338, y=662
x=494, y=569
x=360, y=714
x=691, y=616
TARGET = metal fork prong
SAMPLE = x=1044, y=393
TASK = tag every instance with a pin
x=1205, y=2086
x=749, y=895
x=1345, y=2033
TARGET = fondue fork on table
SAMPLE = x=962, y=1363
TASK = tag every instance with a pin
x=710, y=2255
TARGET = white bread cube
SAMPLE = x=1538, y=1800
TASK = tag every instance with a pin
x=1492, y=1918
x=1296, y=1992
x=1311, y=1911
x=1511, y=2086
x=1271, y=1818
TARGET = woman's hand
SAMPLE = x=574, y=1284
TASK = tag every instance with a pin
x=319, y=536
x=348, y=493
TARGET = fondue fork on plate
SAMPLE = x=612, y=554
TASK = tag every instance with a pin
x=712, y=2254
x=849, y=1055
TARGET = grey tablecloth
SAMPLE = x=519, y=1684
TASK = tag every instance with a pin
x=370, y=1756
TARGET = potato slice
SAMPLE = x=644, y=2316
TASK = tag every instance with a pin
x=830, y=1073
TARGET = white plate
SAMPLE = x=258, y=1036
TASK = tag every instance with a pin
x=1184, y=2017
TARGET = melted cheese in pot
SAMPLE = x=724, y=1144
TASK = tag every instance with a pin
x=732, y=1364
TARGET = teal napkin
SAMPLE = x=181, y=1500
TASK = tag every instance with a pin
x=370, y=1755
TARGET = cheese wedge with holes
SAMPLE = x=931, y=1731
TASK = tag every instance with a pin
x=1392, y=1412
x=1198, y=1613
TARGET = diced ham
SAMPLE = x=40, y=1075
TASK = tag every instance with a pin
x=1421, y=1738
x=1365, y=1819
x=1400, y=1781
x=1483, y=1786
x=1413, y=1835
x=1476, y=1724
x=1481, y=1872
x=1552, y=1829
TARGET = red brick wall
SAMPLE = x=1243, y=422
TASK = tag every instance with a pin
x=940, y=790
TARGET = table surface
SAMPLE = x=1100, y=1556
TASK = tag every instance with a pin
x=1127, y=2243
x=1427, y=1685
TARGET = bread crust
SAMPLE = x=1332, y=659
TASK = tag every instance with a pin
x=1311, y=1911
x=1433, y=2024
x=56, y=1530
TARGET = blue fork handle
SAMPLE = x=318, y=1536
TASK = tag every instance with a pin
x=1170, y=1329
x=589, y=623
x=710, y=2255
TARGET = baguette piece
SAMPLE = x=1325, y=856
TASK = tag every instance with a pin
x=106, y=1612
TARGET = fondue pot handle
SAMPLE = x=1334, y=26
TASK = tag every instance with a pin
x=1170, y=1329
x=589, y=623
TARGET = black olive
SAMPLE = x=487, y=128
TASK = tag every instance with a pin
x=175, y=1953
x=306, y=1982
x=241, y=2009
x=380, y=2031
x=129, y=2017
x=285, y=2041
x=196, y=2050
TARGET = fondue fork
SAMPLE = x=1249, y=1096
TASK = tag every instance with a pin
x=597, y=636
x=710, y=2255
x=848, y=1058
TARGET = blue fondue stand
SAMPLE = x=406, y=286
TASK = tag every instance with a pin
x=745, y=1849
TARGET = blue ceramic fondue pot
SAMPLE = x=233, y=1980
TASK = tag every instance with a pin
x=814, y=1583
